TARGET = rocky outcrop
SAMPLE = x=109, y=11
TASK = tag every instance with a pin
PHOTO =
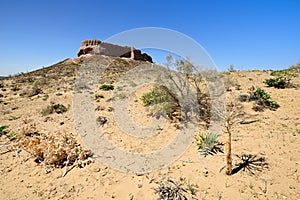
x=96, y=47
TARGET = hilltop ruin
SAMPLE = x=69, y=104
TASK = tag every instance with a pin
x=96, y=47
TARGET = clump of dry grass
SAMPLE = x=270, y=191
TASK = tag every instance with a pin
x=54, y=150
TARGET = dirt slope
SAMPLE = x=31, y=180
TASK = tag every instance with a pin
x=274, y=134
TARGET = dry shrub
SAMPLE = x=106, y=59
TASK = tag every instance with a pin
x=55, y=150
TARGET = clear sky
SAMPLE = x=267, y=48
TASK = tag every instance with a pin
x=250, y=34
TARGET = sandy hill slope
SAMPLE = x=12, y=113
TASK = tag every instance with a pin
x=40, y=134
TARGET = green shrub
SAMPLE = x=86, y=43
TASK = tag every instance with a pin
x=106, y=87
x=263, y=99
x=163, y=102
x=208, y=144
x=159, y=94
x=279, y=82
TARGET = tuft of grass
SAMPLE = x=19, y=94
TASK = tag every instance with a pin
x=13, y=118
x=106, y=87
x=11, y=135
x=3, y=129
x=208, y=144
x=57, y=108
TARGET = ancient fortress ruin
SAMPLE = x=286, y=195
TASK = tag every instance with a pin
x=96, y=47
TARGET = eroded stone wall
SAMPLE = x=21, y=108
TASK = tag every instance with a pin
x=97, y=47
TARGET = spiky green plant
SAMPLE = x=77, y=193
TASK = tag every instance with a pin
x=208, y=144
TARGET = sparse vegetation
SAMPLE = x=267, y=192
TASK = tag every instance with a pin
x=262, y=99
x=3, y=130
x=57, y=150
x=15, y=88
x=208, y=144
x=282, y=73
x=11, y=135
x=12, y=117
x=98, y=96
x=106, y=87
x=171, y=190
x=231, y=68
x=57, y=108
x=163, y=102
x=279, y=82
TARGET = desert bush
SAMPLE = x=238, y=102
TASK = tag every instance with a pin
x=106, y=87
x=163, y=102
x=262, y=99
x=279, y=82
x=57, y=108
x=57, y=150
x=208, y=143
x=158, y=94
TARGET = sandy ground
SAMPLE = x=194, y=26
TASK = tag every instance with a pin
x=275, y=135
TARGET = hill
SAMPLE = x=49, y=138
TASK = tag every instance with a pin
x=39, y=135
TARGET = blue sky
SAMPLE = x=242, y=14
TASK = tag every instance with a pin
x=250, y=34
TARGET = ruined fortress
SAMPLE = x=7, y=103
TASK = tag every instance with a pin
x=96, y=47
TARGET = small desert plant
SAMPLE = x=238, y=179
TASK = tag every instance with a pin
x=231, y=68
x=15, y=88
x=106, y=87
x=208, y=143
x=98, y=96
x=243, y=97
x=57, y=108
x=163, y=102
x=158, y=94
x=3, y=129
x=279, y=82
x=11, y=135
x=171, y=191
x=262, y=98
x=12, y=117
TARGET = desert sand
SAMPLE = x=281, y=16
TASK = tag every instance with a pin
x=273, y=134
